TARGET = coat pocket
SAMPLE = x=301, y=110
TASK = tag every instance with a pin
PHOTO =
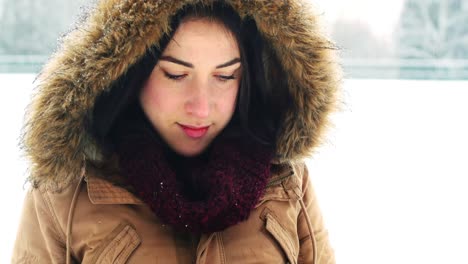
x=283, y=238
x=118, y=246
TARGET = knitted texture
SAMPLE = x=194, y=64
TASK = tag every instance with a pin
x=203, y=195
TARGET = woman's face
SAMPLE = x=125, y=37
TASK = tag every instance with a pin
x=191, y=93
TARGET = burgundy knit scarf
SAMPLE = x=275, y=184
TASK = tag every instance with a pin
x=204, y=194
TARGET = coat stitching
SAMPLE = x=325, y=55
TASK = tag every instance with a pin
x=278, y=229
x=58, y=230
x=222, y=254
x=128, y=250
x=54, y=217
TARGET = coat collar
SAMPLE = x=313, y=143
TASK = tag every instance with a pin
x=101, y=191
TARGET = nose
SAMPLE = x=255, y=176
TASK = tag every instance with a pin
x=198, y=104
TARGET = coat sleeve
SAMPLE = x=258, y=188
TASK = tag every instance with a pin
x=324, y=252
x=39, y=237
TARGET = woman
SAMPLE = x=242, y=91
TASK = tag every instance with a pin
x=173, y=132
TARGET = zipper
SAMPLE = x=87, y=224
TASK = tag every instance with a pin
x=279, y=179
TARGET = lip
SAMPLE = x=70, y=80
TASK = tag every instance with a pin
x=194, y=131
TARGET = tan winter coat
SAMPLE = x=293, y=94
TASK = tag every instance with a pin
x=110, y=225
x=75, y=213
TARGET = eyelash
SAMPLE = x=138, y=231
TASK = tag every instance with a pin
x=177, y=78
x=173, y=77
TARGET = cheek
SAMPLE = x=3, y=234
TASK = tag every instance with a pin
x=228, y=104
x=155, y=99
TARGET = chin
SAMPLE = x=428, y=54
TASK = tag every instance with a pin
x=190, y=152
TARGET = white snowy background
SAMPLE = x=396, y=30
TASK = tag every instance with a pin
x=391, y=177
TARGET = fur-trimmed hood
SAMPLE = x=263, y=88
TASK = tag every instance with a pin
x=118, y=32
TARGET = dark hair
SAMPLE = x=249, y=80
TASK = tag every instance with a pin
x=263, y=95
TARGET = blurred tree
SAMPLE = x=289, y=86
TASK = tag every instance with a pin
x=433, y=29
x=1, y=9
x=357, y=40
x=364, y=54
x=33, y=26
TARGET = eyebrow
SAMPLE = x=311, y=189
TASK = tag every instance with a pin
x=190, y=65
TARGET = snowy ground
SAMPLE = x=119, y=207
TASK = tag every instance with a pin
x=391, y=179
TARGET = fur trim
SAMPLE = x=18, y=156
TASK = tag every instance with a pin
x=98, y=51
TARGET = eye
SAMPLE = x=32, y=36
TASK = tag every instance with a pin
x=224, y=78
x=174, y=77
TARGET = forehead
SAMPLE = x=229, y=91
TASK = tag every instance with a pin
x=202, y=36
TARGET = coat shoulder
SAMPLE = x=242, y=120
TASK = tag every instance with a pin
x=41, y=234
